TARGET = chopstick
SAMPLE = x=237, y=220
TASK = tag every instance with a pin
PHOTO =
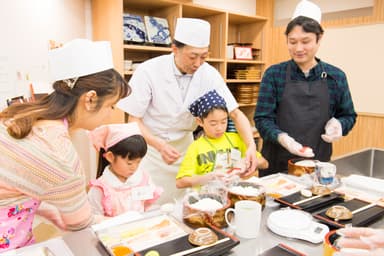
x=290, y=250
x=306, y=200
x=199, y=248
x=363, y=208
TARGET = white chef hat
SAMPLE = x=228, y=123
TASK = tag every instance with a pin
x=79, y=57
x=193, y=32
x=308, y=9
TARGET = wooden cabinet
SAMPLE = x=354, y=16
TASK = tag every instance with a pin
x=226, y=28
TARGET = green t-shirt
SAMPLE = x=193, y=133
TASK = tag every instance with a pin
x=201, y=154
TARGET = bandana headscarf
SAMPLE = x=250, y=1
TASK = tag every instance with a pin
x=206, y=102
x=106, y=136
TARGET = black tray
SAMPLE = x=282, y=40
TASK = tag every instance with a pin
x=157, y=225
x=312, y=205
x=360, y=219
x=182, y=244
x=282, y=250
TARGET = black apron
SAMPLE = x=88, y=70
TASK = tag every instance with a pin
x=302, y=113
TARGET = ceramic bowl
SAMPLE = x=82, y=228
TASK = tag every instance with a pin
x=200, y=218
x=235, y=196
x=298, y=169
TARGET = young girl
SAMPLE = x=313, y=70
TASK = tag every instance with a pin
x=216, y=152
x=121, y=185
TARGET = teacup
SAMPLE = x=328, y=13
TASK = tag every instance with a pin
x=247, y=218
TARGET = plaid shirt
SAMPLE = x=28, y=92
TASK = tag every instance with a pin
x=272, y=88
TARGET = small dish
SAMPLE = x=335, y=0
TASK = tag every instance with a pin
x=202, y=236
x=321, y=190
x=339, y=212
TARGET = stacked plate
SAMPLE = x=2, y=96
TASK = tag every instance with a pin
x=248, y=74
x=246, y=93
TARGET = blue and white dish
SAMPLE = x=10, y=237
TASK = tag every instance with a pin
x=134, y=28
x=158, y=30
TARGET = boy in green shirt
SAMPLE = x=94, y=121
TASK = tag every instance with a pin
x=216, y=153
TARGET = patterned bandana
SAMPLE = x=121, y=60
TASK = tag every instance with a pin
x=206, y=102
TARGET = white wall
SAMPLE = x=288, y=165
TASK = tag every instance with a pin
x=26, y=26
x=247, y=7
x=285, y=8
x=359, y=52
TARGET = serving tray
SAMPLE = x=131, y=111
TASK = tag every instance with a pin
x=282, y=250
x=312, y=205
x=181, y=246
x=360, y=219
x=162, y=233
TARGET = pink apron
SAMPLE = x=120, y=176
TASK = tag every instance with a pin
x=119, y=200
x=16, y=225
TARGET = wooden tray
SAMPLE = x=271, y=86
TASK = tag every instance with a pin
x=360, y=219
x=312, y=205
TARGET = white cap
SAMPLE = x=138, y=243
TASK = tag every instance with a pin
x=193, y=32
x=308, y=9
x=79, y=57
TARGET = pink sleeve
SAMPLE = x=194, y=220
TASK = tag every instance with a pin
x=106, y=201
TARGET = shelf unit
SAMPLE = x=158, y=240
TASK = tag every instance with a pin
x=226, y=28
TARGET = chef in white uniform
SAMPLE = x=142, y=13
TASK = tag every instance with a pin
x=162, y=90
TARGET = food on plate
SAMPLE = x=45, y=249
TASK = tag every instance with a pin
x=306, y=163
x=152, y=253
x=279, y=185
x=207, y=204
x=321, y=190
x=202, y=236
x=121, y=250
x=306, y=192
x=274, y=195
x=205, y=209
x=244, y=190
x=339, y=212
x=306, y=150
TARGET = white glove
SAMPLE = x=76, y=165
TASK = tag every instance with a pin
x=333, y=130
x=293, y=146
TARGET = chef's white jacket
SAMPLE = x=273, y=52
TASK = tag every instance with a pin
x=158, y=100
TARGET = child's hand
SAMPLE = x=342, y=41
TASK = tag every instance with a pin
x=215, y=175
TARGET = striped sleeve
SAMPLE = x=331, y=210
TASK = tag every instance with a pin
x=46, y=166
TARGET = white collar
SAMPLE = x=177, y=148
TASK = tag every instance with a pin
x=111, y=178
x=177, y=71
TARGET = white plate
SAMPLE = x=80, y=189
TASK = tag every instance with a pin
x=56, y=246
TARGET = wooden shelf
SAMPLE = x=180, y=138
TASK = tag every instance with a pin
x=215, y=60
x=235, y=18
x=242, y=81
x=146, y=48
x=247, y=105
x=232, y=61
x=226, y=28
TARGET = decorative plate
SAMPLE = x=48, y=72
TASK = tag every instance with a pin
x=134, y=29
x=158, y=30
